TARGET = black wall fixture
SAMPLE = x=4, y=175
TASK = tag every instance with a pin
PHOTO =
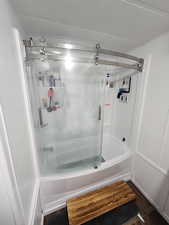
x=124, y=90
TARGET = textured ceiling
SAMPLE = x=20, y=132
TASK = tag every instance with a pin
x=118, y=24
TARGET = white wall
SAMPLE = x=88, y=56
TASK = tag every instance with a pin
x=6, y=213
x=15, y=109
x=151, y=163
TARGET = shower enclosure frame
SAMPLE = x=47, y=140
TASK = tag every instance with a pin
x=98, y=52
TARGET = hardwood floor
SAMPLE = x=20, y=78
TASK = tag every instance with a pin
x=126, y=214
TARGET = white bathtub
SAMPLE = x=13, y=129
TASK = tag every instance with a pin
x=55, y=190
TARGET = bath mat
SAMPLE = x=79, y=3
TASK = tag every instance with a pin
x=96, y=203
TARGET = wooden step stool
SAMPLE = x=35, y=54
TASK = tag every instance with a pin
x=93, y=204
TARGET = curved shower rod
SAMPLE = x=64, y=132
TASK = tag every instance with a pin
x=97, y=51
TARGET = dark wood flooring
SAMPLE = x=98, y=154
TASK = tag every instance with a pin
x=126, y=214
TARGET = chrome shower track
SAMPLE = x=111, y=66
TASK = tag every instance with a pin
x=98, y=51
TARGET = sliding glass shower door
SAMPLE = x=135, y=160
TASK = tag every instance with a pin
x=70, y=115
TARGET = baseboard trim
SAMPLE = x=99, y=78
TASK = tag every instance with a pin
x=151, y=200
x=42, y=220
x=61, y=203
x=34, y=203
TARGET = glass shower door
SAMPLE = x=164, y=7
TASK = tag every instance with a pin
x=71, y=110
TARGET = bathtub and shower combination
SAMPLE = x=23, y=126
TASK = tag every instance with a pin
x=115, y=166
x=74, y=98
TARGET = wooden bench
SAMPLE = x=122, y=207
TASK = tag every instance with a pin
x=93, y=204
